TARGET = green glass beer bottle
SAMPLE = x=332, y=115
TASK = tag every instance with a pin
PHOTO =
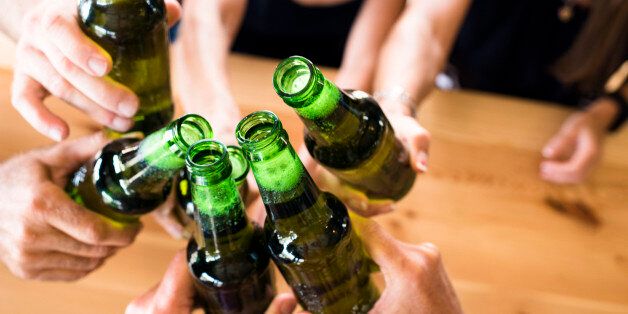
x=130, y=177
x=134, y=33
x=240, y=169
x=346, y=131
x=229, y=262
x=309, y=233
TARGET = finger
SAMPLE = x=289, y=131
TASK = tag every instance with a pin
x=42, y=71
x=70, y=155
x=174, y=294
x=27, y=98
x=257, y=211
x=380, y=245
x=60, y=275
x=62, y=30
x=174, y=12
x=58, y=241
x=284, y=303
x=419, y=144
x=575, y=169
x=51, y=260
x=82, y=224
x=166, y=217
x=104, y=92
x=561, y=146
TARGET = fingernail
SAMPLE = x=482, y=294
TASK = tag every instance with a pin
x=422, y=161
x=121, y=124
x=128, y=108
x=97, y=65
x=547, y=152
x=56, y=135
x=357, y=205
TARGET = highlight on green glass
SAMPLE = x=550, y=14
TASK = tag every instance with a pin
x=309, y=234
x=227, y=258
x=346, y=131
x=130, y=177
x=135, y=34
x=240, y=169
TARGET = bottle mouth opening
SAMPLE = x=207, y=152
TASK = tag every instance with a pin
x=205, y=155
x=258, y=130
x=293, y=76
x=239, y=164
x=190, y=129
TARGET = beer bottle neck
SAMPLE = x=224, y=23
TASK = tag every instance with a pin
x=322, y=106
x=285, y=186
x=161, y=154
x=219, y=211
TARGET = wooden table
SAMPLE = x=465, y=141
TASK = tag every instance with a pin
x=481, y=202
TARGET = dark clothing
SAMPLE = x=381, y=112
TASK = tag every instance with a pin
x=282, y=28
x=508, y=47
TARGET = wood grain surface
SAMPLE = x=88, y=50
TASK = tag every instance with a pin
x=506, y=249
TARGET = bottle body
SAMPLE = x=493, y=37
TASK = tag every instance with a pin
x=235, y=283
x=130, y=177
x=134, y=33
x=346, y=131
x=227, y=257
x=310, y=236
x=97, y=184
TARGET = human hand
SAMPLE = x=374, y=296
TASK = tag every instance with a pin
x=416, y=281
x=44, y=234
x=577, y=147
x=173, y=295
x=56, y=58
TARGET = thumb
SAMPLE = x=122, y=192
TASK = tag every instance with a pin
x=174, y=12
x=380, y=245
x=284, y=303
x=561, y=146
x=175, y=293
x=72, y=153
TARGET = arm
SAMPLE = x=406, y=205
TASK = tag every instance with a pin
x=200, y=61
x=421, y=41
x=574, y=151
x=368, y=34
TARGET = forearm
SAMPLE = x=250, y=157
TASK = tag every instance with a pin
x=417, y=49
x=208, y=30
x=13, y=14
x=368, y=34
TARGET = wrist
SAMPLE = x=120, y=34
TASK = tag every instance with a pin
x=396, y=100
x=603, y=111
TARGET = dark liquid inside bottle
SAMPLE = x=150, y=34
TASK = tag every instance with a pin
x=107, y=187
x=324, y=262
x=371, y=159
x=134, y=33
x=238, y=278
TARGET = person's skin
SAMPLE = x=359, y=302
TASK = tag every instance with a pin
x=384, y=40
x=45, y=235
x=571, y=154
x=416, y=280
x=55, y=58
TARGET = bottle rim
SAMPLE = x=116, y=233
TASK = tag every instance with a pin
x=251, y=141
x=187, y=123
x=281, y=78
x=236, y=155
x=219, y=164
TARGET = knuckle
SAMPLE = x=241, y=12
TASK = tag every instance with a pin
x=53, y=21
x=65, y=65
x=59, y=87
x=96, y=233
